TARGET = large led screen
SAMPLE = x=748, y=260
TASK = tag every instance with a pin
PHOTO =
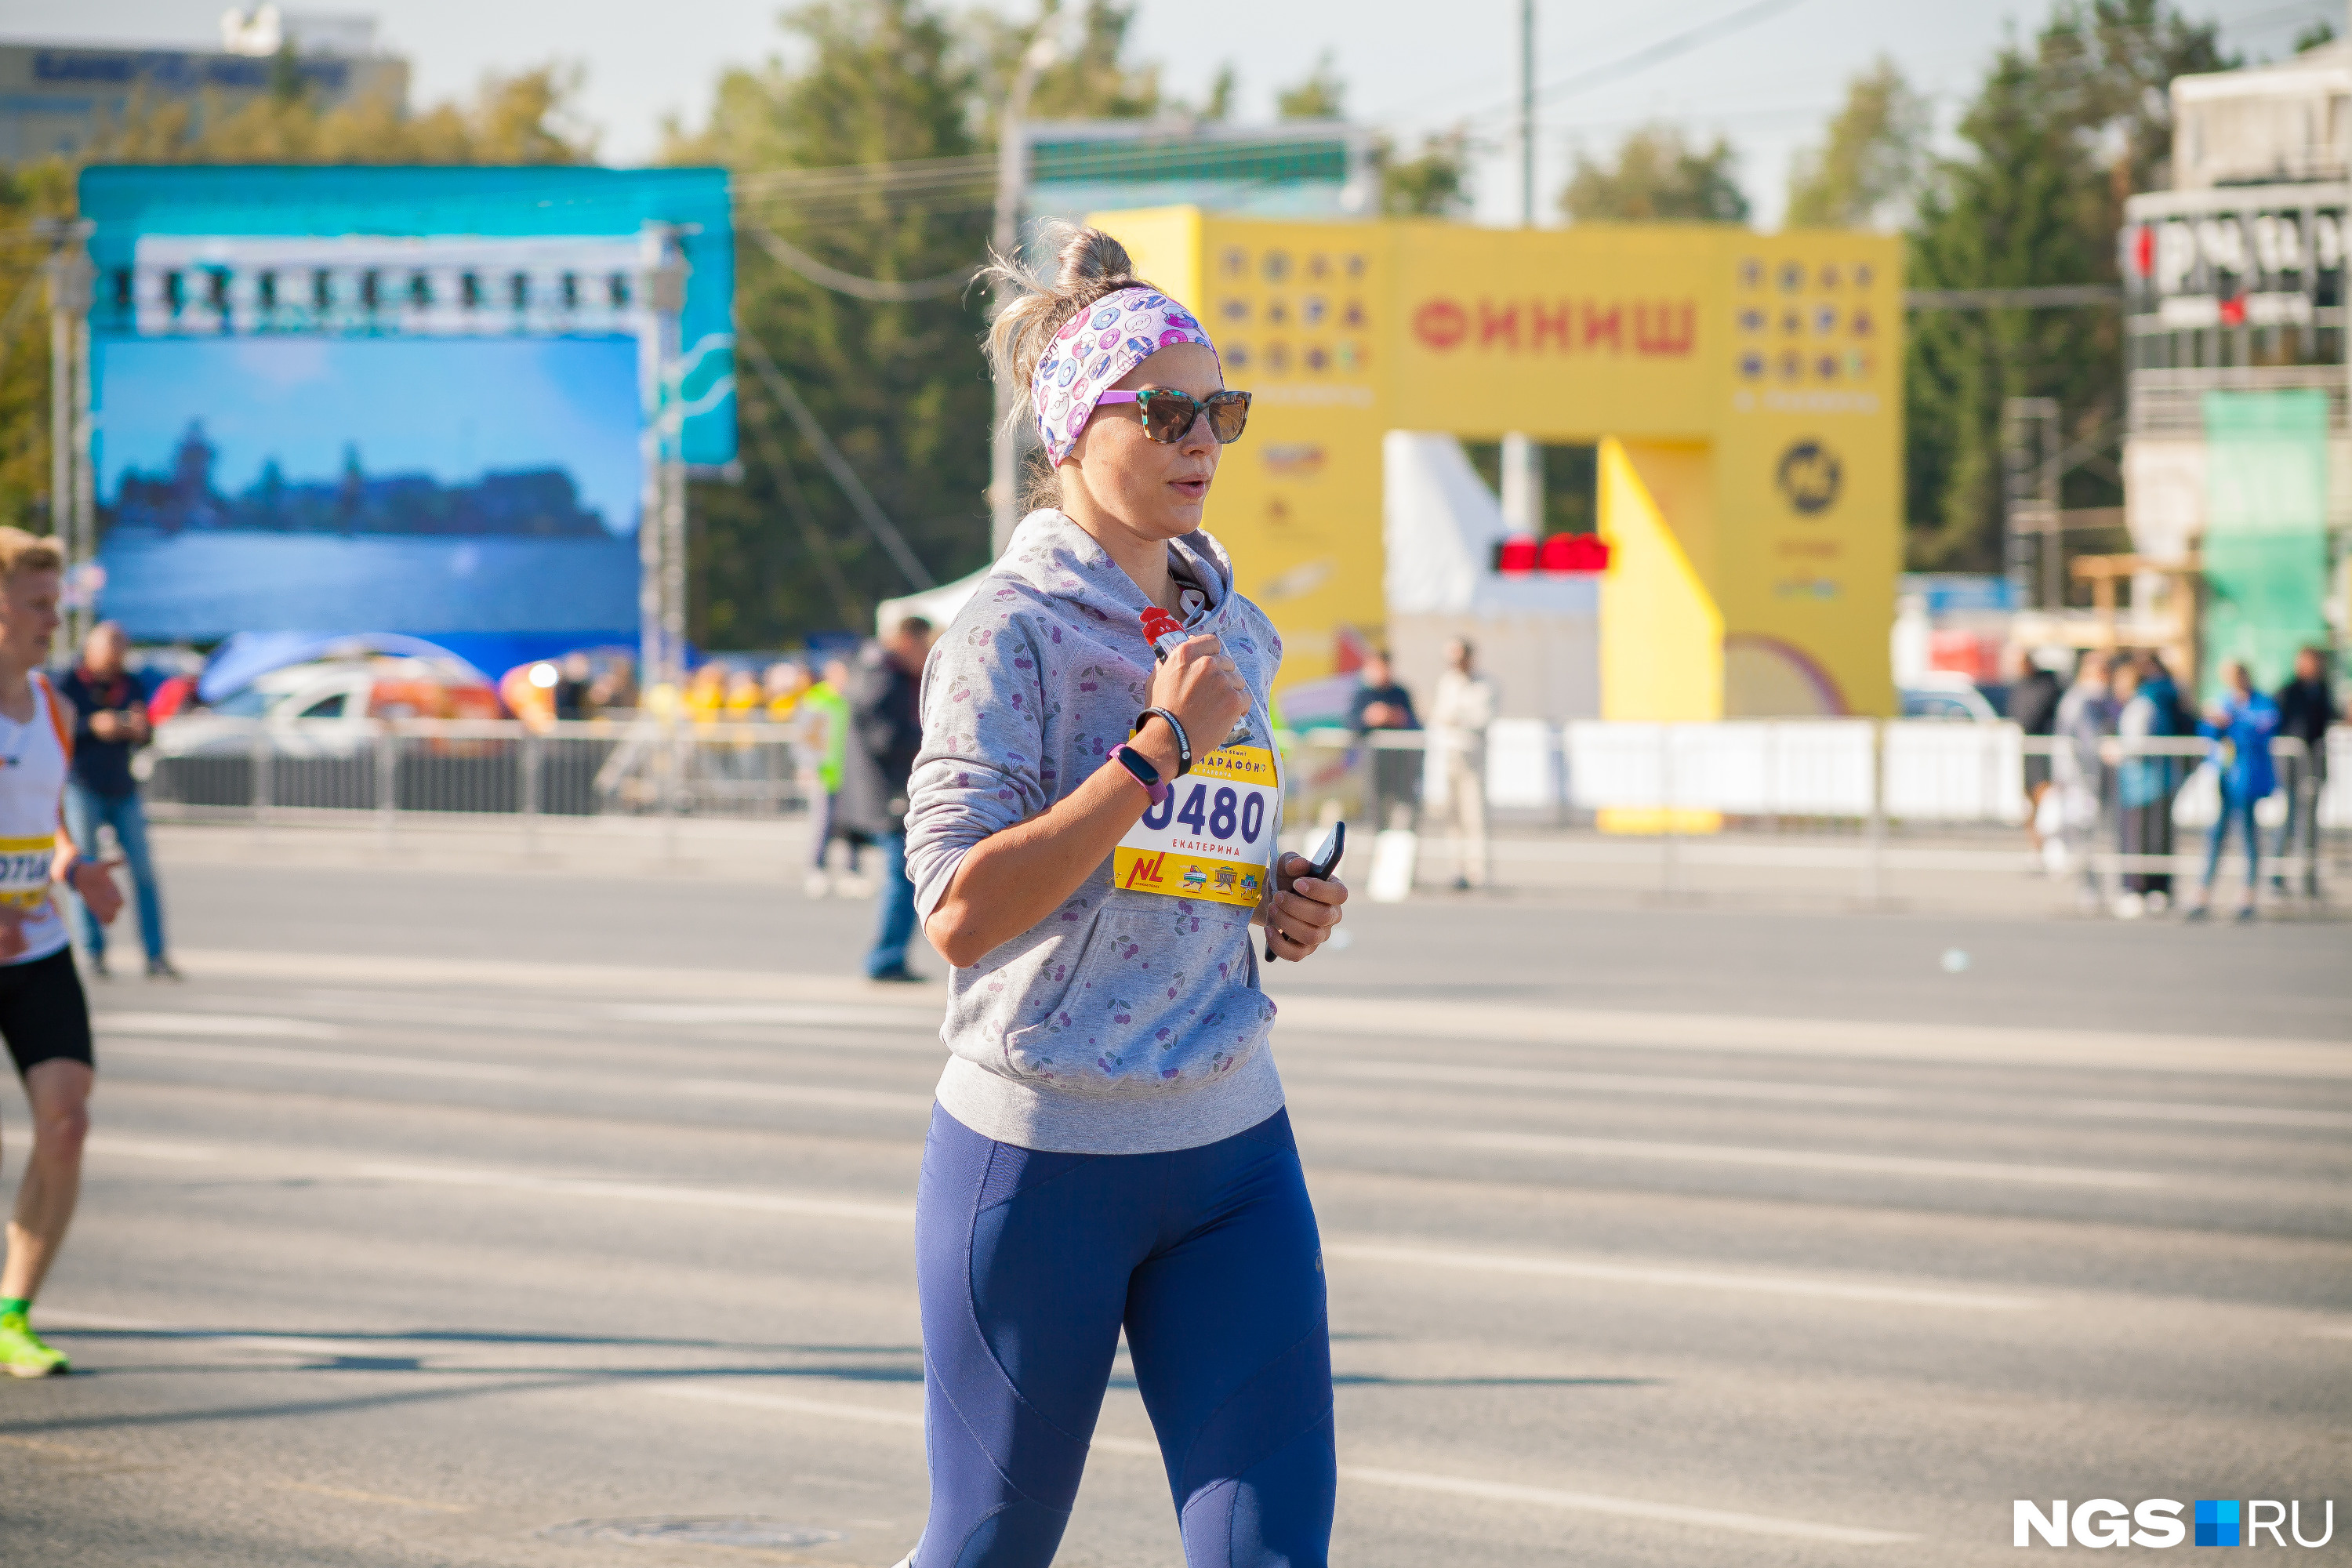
x=413, y=400
x=289, y=483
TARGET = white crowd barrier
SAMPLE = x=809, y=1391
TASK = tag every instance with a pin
x=1874, y=796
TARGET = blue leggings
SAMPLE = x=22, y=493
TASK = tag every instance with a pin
x=2239, y=810
x=1028, y=1263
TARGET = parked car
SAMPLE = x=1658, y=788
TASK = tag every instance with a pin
x=1947, y=695
x=329, y=709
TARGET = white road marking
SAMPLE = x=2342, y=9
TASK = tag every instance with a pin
x=68, y=1319
x=634, y=1086
x=1369, y=1249
x=298, y=1344
x=1799, y=1159
x=333, y=1061
x=1612, y=1082
x=1359, y=1474
x=636, y=1192
x=1624, y=1507
x=2167, y=1110
x=1308, y=1015
x=872, y=1414
x=1410, y=1072
x=1673, y=1276
x=243, y=1025
x=1802, y=1093
x=148, y=1148
x=812, y=1014
x=801, y=1093
x=1976, y=1044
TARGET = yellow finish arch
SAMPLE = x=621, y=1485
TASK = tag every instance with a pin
x=1746, y=390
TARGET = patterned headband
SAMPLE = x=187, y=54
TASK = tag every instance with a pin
x=1095, y=351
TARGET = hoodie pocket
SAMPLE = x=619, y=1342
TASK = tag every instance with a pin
x=1156, y=1000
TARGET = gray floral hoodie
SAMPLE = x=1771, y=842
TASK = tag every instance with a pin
x=1124, y=1022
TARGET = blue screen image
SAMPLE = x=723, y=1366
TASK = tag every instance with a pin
x=267, y=483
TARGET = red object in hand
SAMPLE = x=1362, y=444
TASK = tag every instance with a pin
x=1157, y=624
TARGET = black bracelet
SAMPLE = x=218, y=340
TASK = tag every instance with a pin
x=1183, y=742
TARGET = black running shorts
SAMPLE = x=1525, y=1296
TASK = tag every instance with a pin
x=43, y=1014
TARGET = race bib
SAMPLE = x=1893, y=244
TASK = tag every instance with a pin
x=1213, y=837
x=24, y=870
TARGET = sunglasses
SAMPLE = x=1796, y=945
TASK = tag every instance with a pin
x=1168, y=416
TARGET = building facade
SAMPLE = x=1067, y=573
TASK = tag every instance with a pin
x=58, y=99
x=2237, y=456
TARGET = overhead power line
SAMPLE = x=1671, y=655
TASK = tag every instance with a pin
x=861, y=499
x=861, y=177
x=820, y=548
x=1641, y=59
x=792, y=257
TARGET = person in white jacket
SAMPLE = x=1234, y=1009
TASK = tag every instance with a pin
x=1458, y=717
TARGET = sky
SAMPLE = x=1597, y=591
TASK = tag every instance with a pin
x=1410, y=66
x=568, y=403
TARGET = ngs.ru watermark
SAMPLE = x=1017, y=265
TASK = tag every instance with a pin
x=2160, y=1521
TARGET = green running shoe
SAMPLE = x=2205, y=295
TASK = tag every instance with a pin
x=22, y=1353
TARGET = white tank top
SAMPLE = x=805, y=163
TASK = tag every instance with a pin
x=33, y=766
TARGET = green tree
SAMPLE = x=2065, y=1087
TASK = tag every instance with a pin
x=1433, y=182
x=899, y=386
x=1871, y=159
x=1222, y=89
x=2058, y=135
x=1320, y=95
x=526, y=118
x=39, y=193
x=1658, y=177
x=1089, y=78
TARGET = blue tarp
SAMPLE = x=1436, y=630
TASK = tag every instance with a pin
x=248, y=656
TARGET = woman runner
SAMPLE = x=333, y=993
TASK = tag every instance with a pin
x=1091, y=838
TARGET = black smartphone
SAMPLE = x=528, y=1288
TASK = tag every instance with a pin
x=1326, y=861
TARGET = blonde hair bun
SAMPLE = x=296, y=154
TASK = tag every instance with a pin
x=1088, y=264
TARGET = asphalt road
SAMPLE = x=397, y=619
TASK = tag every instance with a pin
x=436, y=1214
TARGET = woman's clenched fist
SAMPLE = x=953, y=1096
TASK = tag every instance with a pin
x=1200, y=686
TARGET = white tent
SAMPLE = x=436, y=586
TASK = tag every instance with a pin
x=1537, y=634
x=938, y=605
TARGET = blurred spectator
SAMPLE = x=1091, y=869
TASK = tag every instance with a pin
x=706, y=693
x=2031, y=704
x=1459, y=714
x=824, y=735
x=615, y=690
x=887, y=725
x=746, y=699
x=110, y=723
x=572, y=680
x=2307, y=708
x=2086, y=717
x=2146, y=704
x=2240, y=726
x=783, y=685
x=1381, y=704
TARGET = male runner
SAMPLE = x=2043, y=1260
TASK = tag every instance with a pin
x=42, y=1015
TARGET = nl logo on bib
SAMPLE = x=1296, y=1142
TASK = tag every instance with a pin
x=1213, y=837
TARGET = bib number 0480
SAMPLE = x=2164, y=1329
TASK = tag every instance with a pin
x=1216, y=812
